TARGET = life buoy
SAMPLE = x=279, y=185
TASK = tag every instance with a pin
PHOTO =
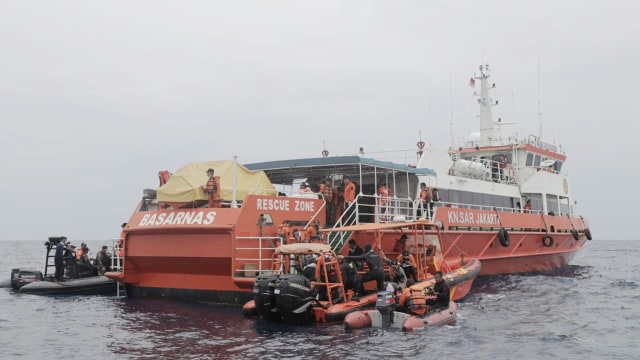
x=547, y=241
x=503, y=236
x=575, y=234
x=587, y=232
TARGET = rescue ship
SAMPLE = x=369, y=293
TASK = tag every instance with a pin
x=502, y=200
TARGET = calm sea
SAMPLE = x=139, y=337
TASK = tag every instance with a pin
x=588, y=310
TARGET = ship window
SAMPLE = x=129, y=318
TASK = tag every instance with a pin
x=564, y=206
x=557, y=166
x=477, y=199
x=529, y=159
x=536, y=160
x=552, y=204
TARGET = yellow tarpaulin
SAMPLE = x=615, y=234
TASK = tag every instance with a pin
x=185, y=184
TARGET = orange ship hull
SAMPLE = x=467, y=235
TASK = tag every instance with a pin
x=218, y=263
x=208, y=255
x=534, y=242
x=189, y=251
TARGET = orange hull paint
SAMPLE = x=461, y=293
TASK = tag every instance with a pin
x=214, y=254
x=526, y=252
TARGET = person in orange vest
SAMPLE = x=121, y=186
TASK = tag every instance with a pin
x=349, y=198
x=82, y=255
x=408, y=263
x=213, y=189
x=349, y=191
x=527, y=206
x=426, y=199
x=285, y=232
x=412, y=301
x=327, y=194
x=312, y=232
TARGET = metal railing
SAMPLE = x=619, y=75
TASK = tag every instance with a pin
x=245, y=259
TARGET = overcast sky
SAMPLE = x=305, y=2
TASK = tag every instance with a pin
x=97, y=97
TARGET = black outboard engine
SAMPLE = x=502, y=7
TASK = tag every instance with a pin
x=294, y=298
x=22, y=277
x=263, y=296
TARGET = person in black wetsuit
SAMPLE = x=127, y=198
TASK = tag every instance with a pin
x=442, y=291
x=355, y=251
x=349, y=274
x=309, y=270
x=59, y=259
x=374, y=262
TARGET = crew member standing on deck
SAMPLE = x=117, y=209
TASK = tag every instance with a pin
x=338, y=203
x=383, y=197
x=349, y=198
x=59, y=259
x=327, y=194
x=213, y=189
x=426, y=199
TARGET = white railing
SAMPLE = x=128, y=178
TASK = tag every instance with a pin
x=264, y=247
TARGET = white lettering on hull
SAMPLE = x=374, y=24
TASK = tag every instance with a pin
x=285, y=205
x=178, y=218
x=467, y=218
x=273, y=204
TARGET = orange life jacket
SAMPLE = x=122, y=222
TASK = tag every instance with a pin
x=327, y=192
x=349, y=192
x=414, y=300
x=426, y=196
x=310, y=233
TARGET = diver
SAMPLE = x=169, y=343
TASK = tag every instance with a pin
x=441, y=291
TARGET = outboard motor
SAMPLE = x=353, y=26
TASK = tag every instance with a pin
x=385, y=304
x=22, y=277
x=263, y=296
x=294, y=297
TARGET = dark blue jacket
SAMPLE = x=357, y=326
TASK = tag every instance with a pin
x=60, y=251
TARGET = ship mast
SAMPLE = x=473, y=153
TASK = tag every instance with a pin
x=489, y=130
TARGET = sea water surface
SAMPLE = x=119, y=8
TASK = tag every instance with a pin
x=587, y=310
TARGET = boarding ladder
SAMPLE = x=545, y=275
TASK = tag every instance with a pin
x=117, y=265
